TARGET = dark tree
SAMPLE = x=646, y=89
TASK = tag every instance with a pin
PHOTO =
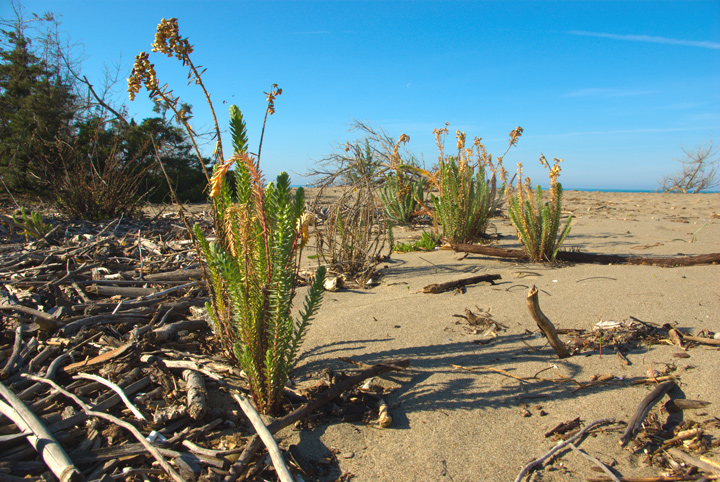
x=36, y=108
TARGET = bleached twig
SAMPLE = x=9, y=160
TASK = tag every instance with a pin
x=266, y=437
x=117, y=390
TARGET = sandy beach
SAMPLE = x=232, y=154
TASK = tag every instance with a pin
x=485, y=421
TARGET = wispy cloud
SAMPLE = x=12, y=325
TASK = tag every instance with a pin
x=706, y=44
x=622, y=131
x=607, y=93
x=316, y=32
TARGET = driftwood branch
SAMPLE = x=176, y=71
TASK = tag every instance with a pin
x=695, y=260
x=41, y=439
x=127, y=426
x=254, y=443
x=597, y=462
x=44, y=321
x=451, y=285
x=643, y=409
x=545, y=324
x=88, y=376
x=266, y=437
x=690, y=460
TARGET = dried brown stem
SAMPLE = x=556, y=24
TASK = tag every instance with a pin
x=545, y=324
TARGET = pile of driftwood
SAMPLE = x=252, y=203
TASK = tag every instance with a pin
x=109, y=369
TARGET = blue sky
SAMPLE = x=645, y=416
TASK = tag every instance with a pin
x=616, y=89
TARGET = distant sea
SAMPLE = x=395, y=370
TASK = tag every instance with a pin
x=624, y=190
x=588, y=189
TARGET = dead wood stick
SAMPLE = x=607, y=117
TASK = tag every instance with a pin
x=597, y=462
x=254, y=443
x=197, y=402
x=643, y=409
x=168, y=291
x=581, y=433
x=45, y=322
x=700, y=339
x=42, y=440
x=660, y=478
x=544, y=323
x=50, y=374
x=127, y=426
x=690, y=460
x=165, y=332
x=695, y=260
x=10, y=365
x=451, y=285
x=88, y=376
x=177, y=275
x=496, y=370
x=73, y=367
x=125, y=291
x=182, y=364
x=266, y=437
x=70, y=274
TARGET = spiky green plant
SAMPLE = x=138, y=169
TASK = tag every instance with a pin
x=260, y=232
x=538, y=222
x=253, y=267
x=401, y=195
x=467, y=201
x=467, y=187
x=32, y=224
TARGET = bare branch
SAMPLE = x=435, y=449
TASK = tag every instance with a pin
x=700, y=171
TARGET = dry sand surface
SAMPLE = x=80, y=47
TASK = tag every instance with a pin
x=458, y=425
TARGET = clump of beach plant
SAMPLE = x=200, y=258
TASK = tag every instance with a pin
x=467, y=187
x=538, y=220
x=427, y=242
x=402, y=194
x=353, y=238
x=252, y=265
x=32, y=224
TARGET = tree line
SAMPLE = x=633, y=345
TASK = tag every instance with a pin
x=63, y=142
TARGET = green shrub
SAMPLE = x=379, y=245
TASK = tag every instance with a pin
x=427, y=242
x=32, y=224
x=537, y=222
x=467, y=187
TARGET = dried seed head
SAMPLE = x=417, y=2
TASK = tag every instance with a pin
x=515, y=135
x=169, y=42
x=218, y=177
x=460, y=139
x=143, y=72
x=274, y=92
x=303, y=225
x=238, y=217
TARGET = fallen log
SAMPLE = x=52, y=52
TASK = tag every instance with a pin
x=573, y=257
x=451, y=285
